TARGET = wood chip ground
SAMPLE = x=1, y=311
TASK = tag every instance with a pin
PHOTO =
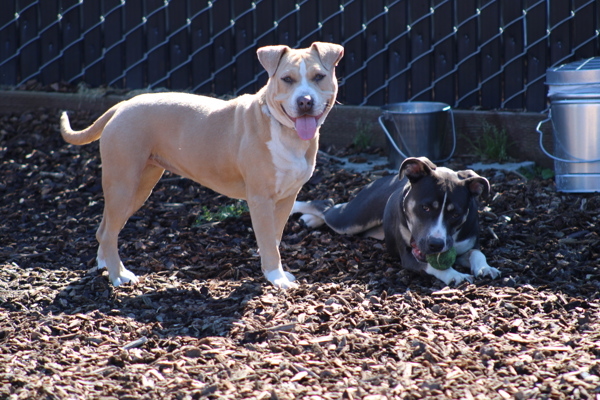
x=203, y=323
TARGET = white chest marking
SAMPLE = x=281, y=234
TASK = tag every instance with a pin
x=291, y=168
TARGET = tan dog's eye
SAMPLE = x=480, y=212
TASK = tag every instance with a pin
x=319, y=77
x=287, y=79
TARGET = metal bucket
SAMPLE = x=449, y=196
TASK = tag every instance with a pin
x=416, y=129
x=575, y=116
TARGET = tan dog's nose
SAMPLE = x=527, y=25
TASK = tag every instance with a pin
x=305, y=104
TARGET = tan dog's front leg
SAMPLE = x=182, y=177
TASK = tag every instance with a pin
x=268, y=221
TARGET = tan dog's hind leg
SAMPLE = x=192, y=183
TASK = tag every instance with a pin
x=123, y=196
x=268, y=229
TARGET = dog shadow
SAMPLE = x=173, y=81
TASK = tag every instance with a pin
x=198, y=308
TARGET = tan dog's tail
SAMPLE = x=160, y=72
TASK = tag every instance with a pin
x=87, y=135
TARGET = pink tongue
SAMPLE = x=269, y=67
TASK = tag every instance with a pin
x=306, y=127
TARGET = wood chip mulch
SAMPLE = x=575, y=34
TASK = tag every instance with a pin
x=204, y=324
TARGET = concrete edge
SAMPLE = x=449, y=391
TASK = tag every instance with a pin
x=341, y=128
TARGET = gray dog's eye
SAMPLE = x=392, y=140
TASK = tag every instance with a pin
x=287, y=79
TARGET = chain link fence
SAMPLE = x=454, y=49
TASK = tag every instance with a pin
x=487, y=54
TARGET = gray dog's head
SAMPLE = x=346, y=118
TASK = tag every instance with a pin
x=438, y=203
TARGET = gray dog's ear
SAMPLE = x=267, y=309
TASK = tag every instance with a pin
x=414, y=168
x=329, y=53
x=269, y=57
x=477, y=185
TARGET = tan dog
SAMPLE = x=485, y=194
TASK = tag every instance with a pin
x=260, y=147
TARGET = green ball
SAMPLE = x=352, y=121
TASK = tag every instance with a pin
x=442, y=261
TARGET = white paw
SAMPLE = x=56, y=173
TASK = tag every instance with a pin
x=449, y=275
x=485, y=270
x=479, y=265
x=281, y=279
x=312, y=221
x=121, y=276
x=124, y=277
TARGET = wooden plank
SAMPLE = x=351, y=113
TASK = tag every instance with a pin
x=134, y=44
x=351, y=65
x=287, y=27
x=536, y=21
x=466, y=38
x=329, y=15
x=49, y=42
x=245, y=62
x=202, y=60
x=490, y=57
x=512, y=40
x=264, y=15
x=92, y=43
x=444, y=54
x=397, y=52
x=420, y=43
x=113, y=33
x=178, y=46
x=375, y=42
x=8, y=45
x=308, y=24
x=29, y=58
x=223, y=48
x=265, y=24
x=70, y=27
x=155, y=37
x=584, y=29
x=560, y=37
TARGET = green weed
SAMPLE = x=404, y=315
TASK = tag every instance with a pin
x=492, y=145
x=537, y=172
x=364, y=137
x=234, y=210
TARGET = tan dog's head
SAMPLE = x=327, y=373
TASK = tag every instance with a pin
x=302, y=85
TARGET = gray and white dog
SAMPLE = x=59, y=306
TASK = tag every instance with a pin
x=423, y=210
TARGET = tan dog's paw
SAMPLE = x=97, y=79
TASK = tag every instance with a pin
x=121, y=276
x=125, y=276
x=281, y=279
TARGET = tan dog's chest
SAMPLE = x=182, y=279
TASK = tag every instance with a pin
x=292, y=165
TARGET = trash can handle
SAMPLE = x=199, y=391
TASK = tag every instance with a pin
x=395, y=146
x=576, y=161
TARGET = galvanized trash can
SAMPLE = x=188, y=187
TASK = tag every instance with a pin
x=574, y=93
x=418, y=128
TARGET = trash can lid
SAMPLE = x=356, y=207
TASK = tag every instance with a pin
x=575, y=73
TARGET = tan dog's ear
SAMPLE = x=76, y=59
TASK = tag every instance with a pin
x=269, y=57
x=329, y=53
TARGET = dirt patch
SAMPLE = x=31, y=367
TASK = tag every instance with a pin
x=204, y=324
